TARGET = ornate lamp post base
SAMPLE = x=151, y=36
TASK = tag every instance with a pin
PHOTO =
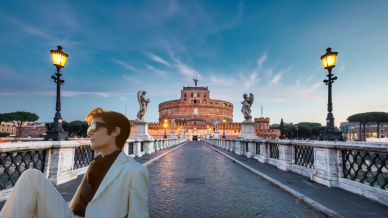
x=56, y=136
x=331, y=135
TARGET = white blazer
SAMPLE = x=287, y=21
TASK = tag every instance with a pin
x=123, y=192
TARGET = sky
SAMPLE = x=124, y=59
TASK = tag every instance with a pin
x=269, y=48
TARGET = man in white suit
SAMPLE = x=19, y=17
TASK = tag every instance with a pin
x=113, y=186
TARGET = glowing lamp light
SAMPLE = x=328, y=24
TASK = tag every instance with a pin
x=59, y=57
x=165, y=125
x=329, y=59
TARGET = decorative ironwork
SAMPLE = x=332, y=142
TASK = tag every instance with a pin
x=257, y=148
x=13, y=164
x=142, y=146
x=366, y=167
x=304, y=156
x=130, y=148
x=274, y=151
x=83, y=156
x=246, y=147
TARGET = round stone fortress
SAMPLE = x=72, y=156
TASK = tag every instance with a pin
x=195, y=105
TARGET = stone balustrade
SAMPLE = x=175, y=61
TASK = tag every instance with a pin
x=358, y=167
x=61, y=161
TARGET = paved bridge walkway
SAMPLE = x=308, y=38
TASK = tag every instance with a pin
x=198, y=180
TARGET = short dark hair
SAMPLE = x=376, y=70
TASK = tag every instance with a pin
x=112, y=119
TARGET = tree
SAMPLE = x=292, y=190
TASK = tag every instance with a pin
x=78, y=128
x=19, y=119
x=3, y=118
x=281, y=129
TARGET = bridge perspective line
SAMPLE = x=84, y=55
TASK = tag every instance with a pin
x=191, y=172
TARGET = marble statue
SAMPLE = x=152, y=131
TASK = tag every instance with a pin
x=216, y=123
x=173, y=124
x=246, y=106
x=143, y=103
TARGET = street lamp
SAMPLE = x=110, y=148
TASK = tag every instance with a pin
x=56, y=132
x=165, y=125
x=328, y=62
x=223, y=128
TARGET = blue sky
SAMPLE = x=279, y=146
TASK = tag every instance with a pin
x=269, y=48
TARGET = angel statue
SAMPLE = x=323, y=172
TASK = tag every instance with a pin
x=143, y=102
x=246, y=106
x=216, y=123
x=173, y=123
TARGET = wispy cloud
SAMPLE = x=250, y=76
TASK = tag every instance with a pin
x=275, y=79
x=28, y=28
x=157, y=71
x=157, y=59
x=261, y=60
x=131, y=79
x=183, y=68
x=126, y=65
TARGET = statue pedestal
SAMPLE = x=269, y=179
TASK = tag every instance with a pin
x=216, y=135
x=141, y=131
x=172, y=134
x=248, y=130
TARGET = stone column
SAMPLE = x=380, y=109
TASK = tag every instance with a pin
x=137, y=148
x=264, y=153
x=61, y=163
x=149, y=146
x=326, y=166
x=285, y=157
x=216, y=135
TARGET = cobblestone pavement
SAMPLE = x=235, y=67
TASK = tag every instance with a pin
x=196, y=181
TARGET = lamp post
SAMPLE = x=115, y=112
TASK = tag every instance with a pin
x=223, y=128
x=328, y=61
x=165, y=125
x=56, y=132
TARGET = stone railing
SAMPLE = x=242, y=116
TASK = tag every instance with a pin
x=61, y=161
x=358, y=167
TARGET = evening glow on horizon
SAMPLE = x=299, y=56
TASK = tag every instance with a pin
x=269, y=48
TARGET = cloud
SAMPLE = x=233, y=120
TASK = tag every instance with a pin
x=250, y=81
x=183, y=68
x=157, y=71
x=157, y=59
x=30, y=29
x=275, y=79
x=261, y=60
x=126, y=66
x=131, y=79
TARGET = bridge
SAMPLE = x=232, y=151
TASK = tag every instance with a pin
x=228, y=177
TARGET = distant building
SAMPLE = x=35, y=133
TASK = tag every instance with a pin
x=34, y=130
x=351, y=131
x=29, y=129
x=262, y=128
x=8, y=128
x=194, y=114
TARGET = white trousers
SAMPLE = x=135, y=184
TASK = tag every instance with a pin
x=34, y=196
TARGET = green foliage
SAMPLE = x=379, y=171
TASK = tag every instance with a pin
x=74, y=128
x=302, y=130
x=78, y=128
x=281, y=129
x=3, y=118
x=19, y=118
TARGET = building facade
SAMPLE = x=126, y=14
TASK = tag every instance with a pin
x=8, y=128
x=195, y=115
x=195, y=105
x=352, y=132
